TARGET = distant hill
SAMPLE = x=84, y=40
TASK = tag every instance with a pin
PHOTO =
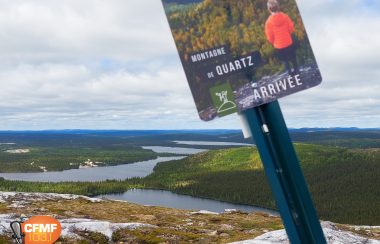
x=337, y=136
x=333, y=129
x=122, y=132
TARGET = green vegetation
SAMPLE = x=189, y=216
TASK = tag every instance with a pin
x=344, y=182
x=58, y=159
x=79, y=188
x=348, y=139
x=57, y=151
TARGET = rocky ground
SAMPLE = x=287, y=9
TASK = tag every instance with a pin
x=91, y=220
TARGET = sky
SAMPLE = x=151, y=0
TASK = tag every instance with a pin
x=95, y=64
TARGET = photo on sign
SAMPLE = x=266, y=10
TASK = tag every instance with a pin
x=257, y=50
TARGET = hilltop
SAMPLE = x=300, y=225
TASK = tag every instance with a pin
x=92, y=220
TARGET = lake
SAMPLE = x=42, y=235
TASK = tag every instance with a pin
x=174, y=150
x=211, y=143
x=140, y=169
x=168, y=199
x=119, y=172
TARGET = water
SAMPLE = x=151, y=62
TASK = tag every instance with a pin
x=174, y=150
x=173, y=200
x=120, y=172
x=140, y=169
x=211, y=143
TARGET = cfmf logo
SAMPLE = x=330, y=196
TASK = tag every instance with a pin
x=36, y=230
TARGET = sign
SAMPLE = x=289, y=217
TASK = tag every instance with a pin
x=241, y=54
x=41, y=230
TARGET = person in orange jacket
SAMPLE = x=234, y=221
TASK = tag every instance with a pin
x=278, y=30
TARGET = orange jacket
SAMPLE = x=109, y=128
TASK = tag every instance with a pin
x=278, y=29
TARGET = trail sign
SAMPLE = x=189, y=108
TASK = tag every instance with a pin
x=242, y=55
x=259, y=55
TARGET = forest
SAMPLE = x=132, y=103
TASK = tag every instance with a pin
x=57, y=151
x=58, y=159
x=62, y=150
x=343, y=182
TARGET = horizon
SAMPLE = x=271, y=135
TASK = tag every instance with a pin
x=190, y=130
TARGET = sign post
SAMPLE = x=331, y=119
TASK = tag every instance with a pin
x=285, y=176
x=242, y=56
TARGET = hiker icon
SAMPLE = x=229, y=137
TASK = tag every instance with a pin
x=226, y=104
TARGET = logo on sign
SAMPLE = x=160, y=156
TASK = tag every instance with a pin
x=223, y=99
x=41, y=230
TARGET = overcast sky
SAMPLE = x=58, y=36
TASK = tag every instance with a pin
x=95, y=64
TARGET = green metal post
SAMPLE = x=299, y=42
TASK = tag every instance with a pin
x=285, y=176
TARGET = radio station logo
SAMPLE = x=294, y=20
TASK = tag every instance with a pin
x=36, y=230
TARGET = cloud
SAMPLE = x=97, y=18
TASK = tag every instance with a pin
x=346, y=47
x=41, y=31
x=77, y=92
x=113, y=64
x=342, y=34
